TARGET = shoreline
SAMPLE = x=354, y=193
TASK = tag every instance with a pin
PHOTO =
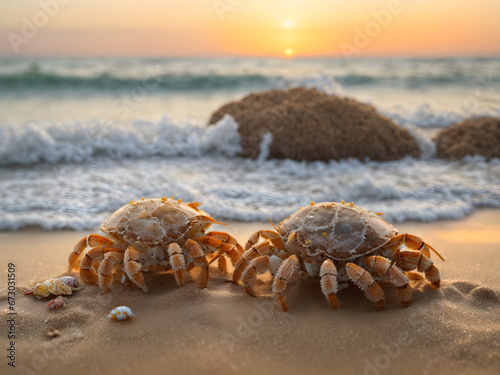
x=221, y=329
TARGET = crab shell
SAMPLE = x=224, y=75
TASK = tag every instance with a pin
x=155, y=222
x=342, y=230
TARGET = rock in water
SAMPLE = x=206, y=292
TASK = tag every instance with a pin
x=480, y=136
x=307, y=124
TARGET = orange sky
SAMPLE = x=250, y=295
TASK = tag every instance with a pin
x=250, y=27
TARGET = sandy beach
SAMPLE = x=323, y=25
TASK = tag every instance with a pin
x=455, y=329
x=250, y=109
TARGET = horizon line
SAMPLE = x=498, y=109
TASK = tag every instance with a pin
x=333, y=56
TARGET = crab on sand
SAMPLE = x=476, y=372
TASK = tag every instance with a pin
x=159, y=233
x=339, y=242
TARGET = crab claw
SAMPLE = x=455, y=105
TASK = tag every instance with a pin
x=28, y=291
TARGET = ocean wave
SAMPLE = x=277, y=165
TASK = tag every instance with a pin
x=81, y=196
x=31, y=79
x=74, y=174
x=82, y=141
x=424, y=116
x=34, y=77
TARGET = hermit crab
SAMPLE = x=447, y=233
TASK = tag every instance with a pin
x=339, y=242
x=159, y=233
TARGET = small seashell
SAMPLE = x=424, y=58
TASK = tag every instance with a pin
x=69, y=280
x=121, y=313
x=65, y=285
x=54, y=333
x=57, y=303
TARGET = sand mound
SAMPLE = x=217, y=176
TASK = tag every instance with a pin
x=307, y=124
x=479, y=136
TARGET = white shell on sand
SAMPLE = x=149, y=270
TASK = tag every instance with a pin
x=121, y=313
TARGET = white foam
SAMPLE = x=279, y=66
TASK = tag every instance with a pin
x=84, y=170
x=81, y=196
x=81, y=141
x=264, y=146
x=424, y=116
x=425, y=143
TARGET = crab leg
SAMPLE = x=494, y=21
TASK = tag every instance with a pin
x=177, y=262
x=366, y=283
x=222, y=264
x=86, y=265
x=87, y=270
x=413, y=242
x=270, y=235
x=105, y=271
x=133, y=267
x=210, y=241
x=411, y=259
x=199, y=259
x=234, y=252
x=92, y=240
x=226, y=238
x=287, y=269
x=256, y=267
x=329, y=285
x=253, y=239
x=263, y=248
x=383, y=267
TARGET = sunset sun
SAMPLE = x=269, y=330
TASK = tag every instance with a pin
x=288, y=24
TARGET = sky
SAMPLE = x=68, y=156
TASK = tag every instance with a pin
x=281, y=28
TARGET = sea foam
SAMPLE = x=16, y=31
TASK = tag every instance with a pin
x=81, y=141
x=80, y=196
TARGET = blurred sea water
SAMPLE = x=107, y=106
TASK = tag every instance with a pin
x=81, y=137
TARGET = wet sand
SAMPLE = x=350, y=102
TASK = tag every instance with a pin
x=455, y=329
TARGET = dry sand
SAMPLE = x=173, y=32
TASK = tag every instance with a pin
x=222, y=330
